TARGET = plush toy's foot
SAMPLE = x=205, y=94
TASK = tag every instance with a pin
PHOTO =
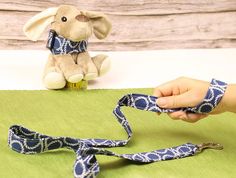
x=103, y=63
x=90, y=76
x=54, y=80
x=75, y=78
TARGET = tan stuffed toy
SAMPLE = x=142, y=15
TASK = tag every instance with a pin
x=69, y=59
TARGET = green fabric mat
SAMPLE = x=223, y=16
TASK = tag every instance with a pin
x=88, y=114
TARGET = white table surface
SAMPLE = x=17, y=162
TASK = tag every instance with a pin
x=22, y=69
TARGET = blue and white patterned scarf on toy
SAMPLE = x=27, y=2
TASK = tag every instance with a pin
x=59, y=45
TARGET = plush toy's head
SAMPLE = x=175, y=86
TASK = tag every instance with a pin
x=68, y=22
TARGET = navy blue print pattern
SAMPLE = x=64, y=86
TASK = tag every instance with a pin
x=214, y=95
x=24, y=141
x=59, y=45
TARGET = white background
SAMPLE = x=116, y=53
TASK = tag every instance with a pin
x=22, y=69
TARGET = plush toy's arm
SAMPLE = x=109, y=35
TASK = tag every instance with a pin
x=89, y=68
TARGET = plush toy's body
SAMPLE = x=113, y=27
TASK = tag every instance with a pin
x=69, y=59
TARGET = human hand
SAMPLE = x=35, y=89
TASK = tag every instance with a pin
x=183, y=92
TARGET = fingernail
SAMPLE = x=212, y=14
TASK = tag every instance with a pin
x=161, y=102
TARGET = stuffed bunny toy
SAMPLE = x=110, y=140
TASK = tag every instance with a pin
x=70, y=29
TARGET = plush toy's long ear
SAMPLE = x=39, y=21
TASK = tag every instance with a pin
x=101, y=24
x=37, y=24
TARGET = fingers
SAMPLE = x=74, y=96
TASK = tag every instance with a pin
x=187, y=99
x=173, y=87
x=163, y=90
x=177, y=115
x=195, y=117
x=187, y=117
x=157, y=93
x=182, y=92
x=179, y=93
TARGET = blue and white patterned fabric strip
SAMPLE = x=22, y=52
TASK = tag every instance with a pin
x=24, y=141
x=59, y=45
x=214, y=95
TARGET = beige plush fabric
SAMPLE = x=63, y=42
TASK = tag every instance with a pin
x=75, y=25
x=36, y=25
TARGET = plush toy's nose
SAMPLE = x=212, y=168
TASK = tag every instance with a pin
x=82, y=18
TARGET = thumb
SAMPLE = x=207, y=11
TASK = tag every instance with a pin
x=187, y=99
